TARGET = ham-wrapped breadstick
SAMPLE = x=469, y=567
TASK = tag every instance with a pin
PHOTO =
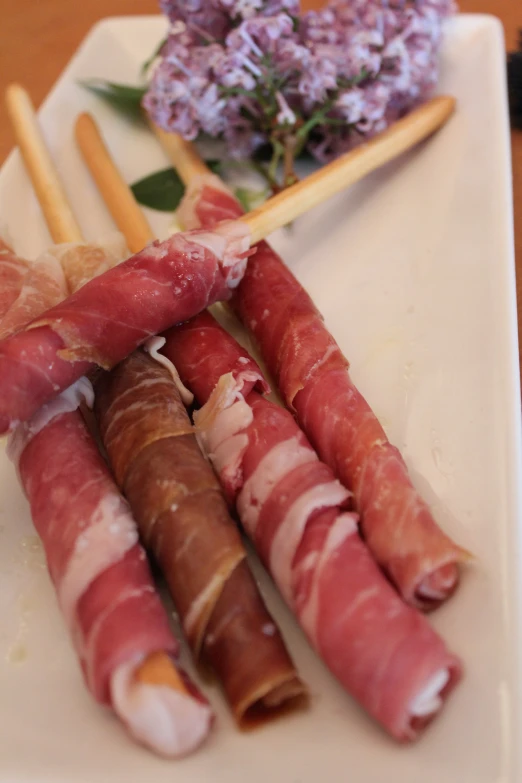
x=103, y=583
x=184, y=521
x=169, y=282
x=100, y=572
x=312, y=375
x=382, y=651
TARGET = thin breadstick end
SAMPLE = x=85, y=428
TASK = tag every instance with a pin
x=115, y=192
x=49, y=190
x=349, y=168
x=159, y=669
x=182, y=154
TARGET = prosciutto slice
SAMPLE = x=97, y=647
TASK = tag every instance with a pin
x=183, y=519
x=312, y=375
x=42, y=286
x=82, y=262
x=12, y=272
x=293, y=508
x=100, y=572
x=106, y=319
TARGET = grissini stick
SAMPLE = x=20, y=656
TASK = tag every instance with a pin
x=48, y=187
x=189, y=163
x=284, y=207
x=118, y=197
x=330, y=179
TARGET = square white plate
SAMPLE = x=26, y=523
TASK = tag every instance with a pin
x=414, y=271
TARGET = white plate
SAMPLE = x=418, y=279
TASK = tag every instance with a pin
x=414, y=272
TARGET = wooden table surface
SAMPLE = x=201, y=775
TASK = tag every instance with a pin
x=37, y=40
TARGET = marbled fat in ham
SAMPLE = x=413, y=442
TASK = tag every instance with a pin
x=382, y=651
x=312, y=375
x=102, y=322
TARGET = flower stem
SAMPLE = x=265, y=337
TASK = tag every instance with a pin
x=277, y=153
x=289, y=175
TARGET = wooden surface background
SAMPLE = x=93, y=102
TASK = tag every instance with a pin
x=38, y=38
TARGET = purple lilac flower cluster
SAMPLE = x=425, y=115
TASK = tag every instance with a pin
x=257, y=72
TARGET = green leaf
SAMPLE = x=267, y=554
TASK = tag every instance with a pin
x=162, y=190
x=146, y=65
x=215, y=166
x=123, y=97
x=250, y=199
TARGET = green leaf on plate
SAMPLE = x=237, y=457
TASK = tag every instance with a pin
x=250, y=199
x=146, y=65
x=123, y=97
x=215, y=166
x=162, y=190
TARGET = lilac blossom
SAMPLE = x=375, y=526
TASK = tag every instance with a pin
x=218, y=17
x=258, y=71
x=200, y=16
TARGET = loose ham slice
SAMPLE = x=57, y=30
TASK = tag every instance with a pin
x=82, y=262
x=295, y=511
x=312, y=375
x=12, y=272
x=100, y=572
x=106, y=319
x=43, y=286
x=183, y=519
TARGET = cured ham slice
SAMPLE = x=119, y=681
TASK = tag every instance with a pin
x=100, y=572
x=381, y=650
x=102, y=322
x=82, y=262
x=42, y=286
x=12, y=272
x=312, y=375
x=183, y=519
